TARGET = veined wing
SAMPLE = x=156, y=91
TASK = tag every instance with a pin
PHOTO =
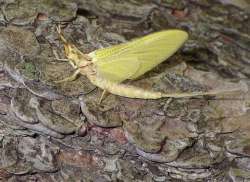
x=132, y=59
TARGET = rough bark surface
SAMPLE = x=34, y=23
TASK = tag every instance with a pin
x=58, y=132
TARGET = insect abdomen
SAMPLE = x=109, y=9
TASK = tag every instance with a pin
x=135, y=92
x=124, y=90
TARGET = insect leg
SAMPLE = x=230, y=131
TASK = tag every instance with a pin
x=103, y=94
x=85, y=65
x=70, y=78
x=58, y=29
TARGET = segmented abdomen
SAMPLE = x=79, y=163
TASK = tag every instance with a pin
x=124, y=90
x=135, y=92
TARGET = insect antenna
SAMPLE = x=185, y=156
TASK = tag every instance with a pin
x=58, y=29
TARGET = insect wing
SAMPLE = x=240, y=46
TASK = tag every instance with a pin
x=132, y=59
x=112, y=67
x=119, y=72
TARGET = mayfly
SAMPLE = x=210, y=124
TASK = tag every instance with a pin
x=106, y=68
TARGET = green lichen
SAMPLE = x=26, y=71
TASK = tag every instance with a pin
x=30, y=72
